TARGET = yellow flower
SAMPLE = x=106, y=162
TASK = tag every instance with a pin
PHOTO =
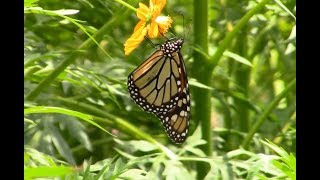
x=151, y=24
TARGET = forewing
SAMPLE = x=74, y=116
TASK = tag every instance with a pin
x=154, y=84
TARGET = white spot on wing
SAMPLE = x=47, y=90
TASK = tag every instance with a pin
x=184, y=101
x=174, y=117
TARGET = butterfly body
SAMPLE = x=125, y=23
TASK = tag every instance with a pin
x=160, y=86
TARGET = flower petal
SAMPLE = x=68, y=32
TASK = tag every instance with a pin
x=138, y=26
x=143, y=11
x=151, y=24
x=159, y=3
x=153, y=30
x=134, y=41
x=155, y=12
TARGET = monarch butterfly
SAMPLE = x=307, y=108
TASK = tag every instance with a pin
x=160, y=86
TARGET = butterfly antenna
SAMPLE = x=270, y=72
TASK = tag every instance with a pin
x=172, y=31
x=183, y=25
x=184, y=33
x=190, y=27
x=164, y=36
x=153, y=45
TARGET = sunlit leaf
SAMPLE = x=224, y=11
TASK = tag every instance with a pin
x=237, y=58
x=285, y=8
x=194, y=82
x=29, y=3
x=144, y=146
x=38, y=172
x=43, y=109
x=134, y=174
x=66, y=11
x=29, y=121
x=171, y=169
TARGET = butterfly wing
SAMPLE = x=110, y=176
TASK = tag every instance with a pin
x=153, y=86
x=160, y=86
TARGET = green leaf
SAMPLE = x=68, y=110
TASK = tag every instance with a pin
x=171, y=169
x=288, y=164
x=133, y=161
x=118, y=167
x=285, y=8
x=44, y=109
x=100, y=164
x=292, y=34
x=237, y=58
x=61, y=145
x=104, y=165
x=30, y=3
x=194, y=82
x=77, y=130
x=66, y=11
x=29, y=121
x=35, y=157
x=87, y=175
x=195, y=151
x=254, y=169
x=239, y=152
x=277, y=149
x=142, y=145
x=122, y=153
x=134, y=174
x=37, y=172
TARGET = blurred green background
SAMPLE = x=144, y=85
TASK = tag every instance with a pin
x=80, y=122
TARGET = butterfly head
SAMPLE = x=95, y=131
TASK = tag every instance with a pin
x=171, y=46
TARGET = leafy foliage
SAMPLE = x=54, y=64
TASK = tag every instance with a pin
x=80, y=122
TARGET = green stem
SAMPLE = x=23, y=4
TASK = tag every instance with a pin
x=266, y=113
x=202, y=97
x=126, y=5
x=242, y=77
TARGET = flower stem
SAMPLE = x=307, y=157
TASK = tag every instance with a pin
x=200, y=70
x=127, y=5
